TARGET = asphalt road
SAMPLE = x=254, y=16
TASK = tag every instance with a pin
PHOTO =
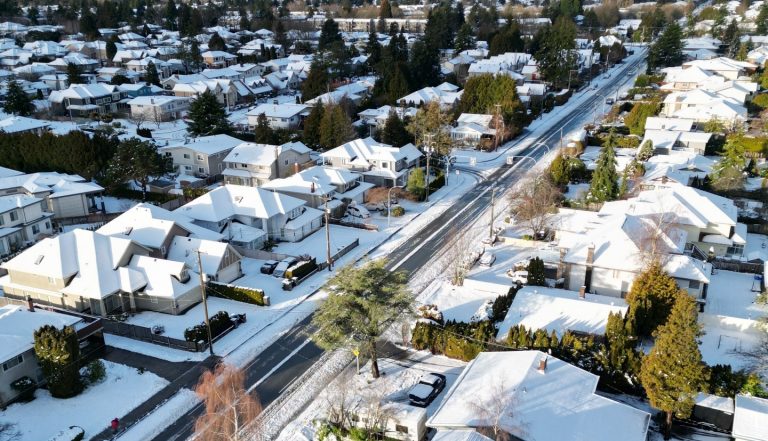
x=297, y=355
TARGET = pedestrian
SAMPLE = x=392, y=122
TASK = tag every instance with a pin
x=115, y=425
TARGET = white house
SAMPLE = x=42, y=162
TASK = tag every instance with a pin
x=256, y=164
x=380, y=164
x=539, y=397
x=471, y=128
x=279, y=116
x=446, y=94
x=158, y=108
x=317, y=183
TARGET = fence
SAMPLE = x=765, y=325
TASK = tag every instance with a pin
x=142, y=333
x=737, y=266
x=339, y=254
x=757, y=228
x=172, y=204
x=260, y=254
x=369, y=227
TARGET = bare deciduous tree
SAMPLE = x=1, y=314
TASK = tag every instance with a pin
x=229, y=407
x=341, y=400
x=534, y=202
x=457, y=258
x=494, y=413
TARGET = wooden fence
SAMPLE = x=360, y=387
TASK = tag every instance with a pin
x=145, y=334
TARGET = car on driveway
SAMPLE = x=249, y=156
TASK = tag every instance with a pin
x=283, y=266
x=487, y=259
x=268, y=267
x=518, y=277
x=428, y=388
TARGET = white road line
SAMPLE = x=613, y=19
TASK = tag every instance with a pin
x=279, y=365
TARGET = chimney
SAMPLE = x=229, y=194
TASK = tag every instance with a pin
x=30, y=304
x=543, y=364
x=590, y=254
x=583, y=292
x=312, y=187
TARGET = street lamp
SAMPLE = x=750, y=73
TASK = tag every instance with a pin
x=428, y=149
x=327, y=212
x=389, y=201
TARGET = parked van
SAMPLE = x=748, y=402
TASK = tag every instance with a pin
x=283, y=266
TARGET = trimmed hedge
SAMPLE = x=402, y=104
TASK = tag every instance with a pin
x=301, y=269
x=220, y=322
x=241, y=294
x=462, y=341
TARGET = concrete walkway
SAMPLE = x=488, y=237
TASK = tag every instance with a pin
x=162, y=368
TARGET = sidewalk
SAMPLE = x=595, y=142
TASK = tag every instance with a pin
x=162, y=368
x=187, y=379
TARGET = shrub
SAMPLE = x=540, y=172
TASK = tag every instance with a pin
x=301, y=269
x=95, y=371
x=456, y=340
x=117, y=124
x=219, y=323
x=144, y=132
x=397, y=211
x=25, y=387
x=241, y=294
x=761, y=101
x=501, y=305
x=437, y=183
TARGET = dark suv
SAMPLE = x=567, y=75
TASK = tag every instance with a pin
x=428, y=388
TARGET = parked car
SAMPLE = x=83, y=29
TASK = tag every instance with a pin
x=490, y=240
x=487, y=259
x=289, y=284
x=237, y=319
x=268, y=267
x=518, y=277
x=609, y=101
x=428, y=388
x=283, y=266
x=358, y=211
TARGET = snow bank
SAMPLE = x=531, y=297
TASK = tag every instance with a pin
x=155, y=422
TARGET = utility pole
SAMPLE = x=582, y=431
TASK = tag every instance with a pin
x=493, y=202
x=205, y=301
x=561, y=139
x=498, y=121
x=328, y=234
x=428, y=147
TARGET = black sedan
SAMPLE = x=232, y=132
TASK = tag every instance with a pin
x=428, y=388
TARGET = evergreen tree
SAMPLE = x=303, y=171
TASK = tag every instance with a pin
x=111, y=49
x=508, y=39
x=646, y=151
x=417, y=183
x=171, y=15
x=311, y=133
x=557, y=56
x=673, y=373
x=58, y=354
x=651, y=298
x=362, y=303
x=329, y=35
x=207, y=116
x=335, y=127
x=559, y=171
x=216, y=43
x=762, y=20
x=536, y=272
x=728, y=172
x=604, y=185
x=316, y=83
x=620, y=361
x=637, y=117
x=397, y=84
x=385, y=10
x=263, y=133
x=373, y=49
x=74, y=76
x=464, y=39
x=423, y=66
x=138, y=161
x=394, y=132
x=732, y=38
x=668, y=49
x=195, y=57
x=17, y=101
x=483, y=92
x=151, y=76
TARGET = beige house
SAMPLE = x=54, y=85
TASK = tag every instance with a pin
x=202, y=156
x=254, y=165
x=158, y=108
x=65, y=195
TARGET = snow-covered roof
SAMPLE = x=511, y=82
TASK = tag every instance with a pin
x=209, y=145
x=459, y=435
x=15, y=124
x=558, y=403
x=262, y=154
x=723, y=404
x=560, y=310
x=164, y=278
x=18, y=325
x=237, y=200
x=750, y=418
x=150, y=225
x=212, y=253
x=362, y=150
x=282, y=111
x=661, y=123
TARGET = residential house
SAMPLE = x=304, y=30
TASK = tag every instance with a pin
x=703, y=106
x=317, y=184
x=561, y=311
x=214, y=59
x=377, y=118
x=65, y=195
x=224, y=90
x=220, y=261
x=539, y=397
x=83, y=63
x=202, y=156
x=510, y=63
x=678, y=167
x=665, y=141
x=380, y=164
x=725, y=67
x=281, y=217
x=23, y=220
x=21, y=124
x=81, y=100
x=279, y=116
x=158, y=108
x=256, y=164
x=471, y=128
x=446, y=94
x=750, y=417
x=90, y=272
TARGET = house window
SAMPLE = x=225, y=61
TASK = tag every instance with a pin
x=168, y=154
x=2, y=219
x=47, y=225
x=188, y=167
x=51, y=280
x=186, y=156
x=693, y=284
x=14, y=216
x=401, y=429
x=36, y=229
x=153, y=299
x=13, y=362
x=201, y=170
x=735, y=250
x=199, y=157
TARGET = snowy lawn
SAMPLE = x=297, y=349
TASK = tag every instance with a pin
x=115, y=205
x=506, y=258
x=455, y=302
x=576, y=191
x=315, y=244
x=398, y=376
x=731, y=294
x=122, y=390
x=726, y=340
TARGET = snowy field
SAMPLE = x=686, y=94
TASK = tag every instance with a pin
x=93, y=410
x=455, y=302
x=726, y=340
x=398, y=376
x=731, y=294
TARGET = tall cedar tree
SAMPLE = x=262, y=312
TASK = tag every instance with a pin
x=362, y=303
x=508, y=39
x=74, y=76
x=417, y=183
x=483, y=92
x=229, y=407
x=604, y=185
x=621, y=362
x=559, y=171
x=668, y=49
x=424, y=65
x=263, y=133
x=728, y=173
x=650, y=299
x=536, y=272
x=385, y=10
x=556, y=55
x=17, y=101
x=111, y=49
x=394, y=132
x=138, y=161
x=195, y=56
x=151, y=76
x=207, y=116
x=335, y=127
x=430, y=120
x=329, y=35
x=464, y=39
x=317, y=81
x=216, y=43
x=637, y=117
x=762, y=20
x=673, y=373
x=373, y=49
x=171, y=15
x=311, y=133
x=58, y=354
